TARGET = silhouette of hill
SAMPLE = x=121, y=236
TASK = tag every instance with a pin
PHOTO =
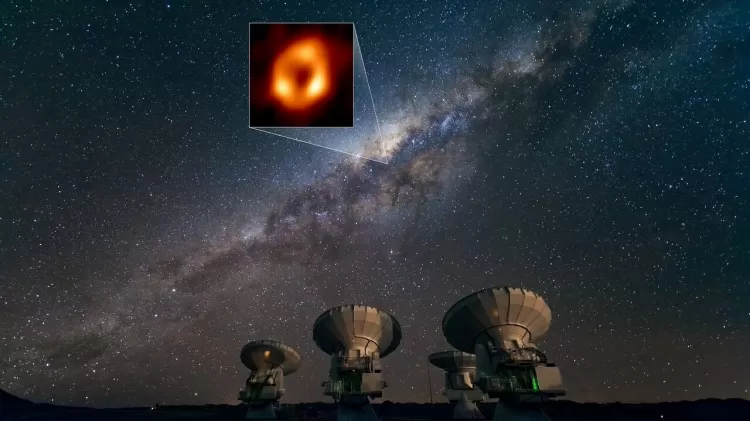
x=10, y=404
x=13, y=408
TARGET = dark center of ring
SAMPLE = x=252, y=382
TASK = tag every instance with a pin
x=302, y=76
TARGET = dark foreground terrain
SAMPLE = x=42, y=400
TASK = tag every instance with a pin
x=14, y=408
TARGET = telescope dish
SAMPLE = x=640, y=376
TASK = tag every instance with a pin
x=360, y=327
x=265, y=355
x=453, y=361
x=516, y=313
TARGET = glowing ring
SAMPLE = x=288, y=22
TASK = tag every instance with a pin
x=307, y=55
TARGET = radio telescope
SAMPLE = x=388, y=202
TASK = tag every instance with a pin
x=460, y=371
x=501, y=326
x=268, y=361
x=356, y=337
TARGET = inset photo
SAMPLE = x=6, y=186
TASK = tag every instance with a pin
x=301, y=75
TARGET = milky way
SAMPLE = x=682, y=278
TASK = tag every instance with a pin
x=593, y=153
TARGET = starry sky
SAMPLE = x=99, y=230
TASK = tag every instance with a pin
x=595, y=152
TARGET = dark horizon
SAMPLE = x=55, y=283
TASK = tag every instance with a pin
x=378, y=402
x=7, y=395
x=559, y=411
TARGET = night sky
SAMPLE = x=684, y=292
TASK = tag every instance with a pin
x=595, y=152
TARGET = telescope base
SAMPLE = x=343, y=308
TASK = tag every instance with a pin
x=467, y=410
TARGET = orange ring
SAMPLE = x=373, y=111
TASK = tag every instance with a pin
x=307, y=55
